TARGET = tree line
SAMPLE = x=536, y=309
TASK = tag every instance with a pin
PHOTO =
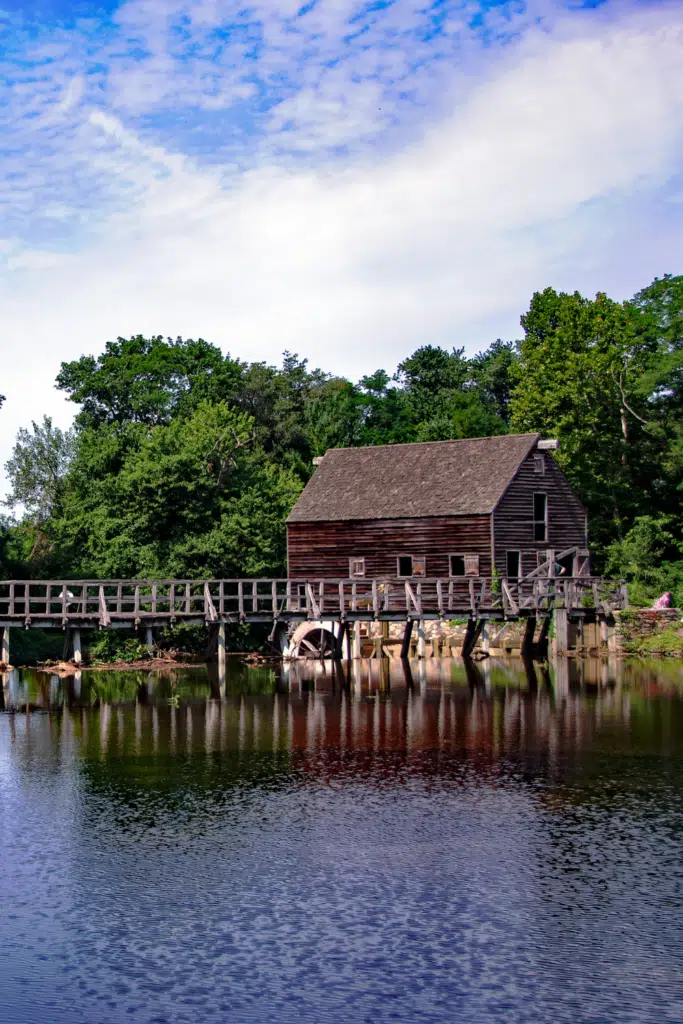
x=184, y=462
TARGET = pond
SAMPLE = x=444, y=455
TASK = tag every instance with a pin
x=423, y=842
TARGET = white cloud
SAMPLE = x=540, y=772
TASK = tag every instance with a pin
x=549, y=168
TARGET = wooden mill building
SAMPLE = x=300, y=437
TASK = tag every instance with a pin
x=438, y=509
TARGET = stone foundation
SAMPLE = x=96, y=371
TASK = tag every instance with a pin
x=638, y=624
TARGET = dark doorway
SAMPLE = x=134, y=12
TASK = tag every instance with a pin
x=512, y=568
x=566, y=565
x=457, y=565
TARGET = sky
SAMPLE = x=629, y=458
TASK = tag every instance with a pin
x=344, y=180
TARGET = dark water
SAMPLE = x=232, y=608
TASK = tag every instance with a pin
x=498, y=845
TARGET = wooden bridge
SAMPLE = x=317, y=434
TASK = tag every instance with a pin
x=76, y=605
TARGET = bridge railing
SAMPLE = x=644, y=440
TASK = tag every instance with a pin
x=106, y=601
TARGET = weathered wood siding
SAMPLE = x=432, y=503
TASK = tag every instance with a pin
x=513, y=520
x=324, y=549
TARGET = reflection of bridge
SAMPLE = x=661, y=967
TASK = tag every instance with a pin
x=74, y=605
x=364, y=708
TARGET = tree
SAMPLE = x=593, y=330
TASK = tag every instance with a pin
x=148, y=380
x=589, y=374
x=192, y=498
x=37, y=469
x=491, y=374
x=650, y=558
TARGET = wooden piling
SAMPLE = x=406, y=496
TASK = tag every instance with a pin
x=561, y=631
x=339, y=641
x=221, y=648
x=474, y=628
x=5, y=649
x=542, y=642
x=421, y=640
x=356, y=652
x=76, y=646
x=527, y=644
x=407, y=633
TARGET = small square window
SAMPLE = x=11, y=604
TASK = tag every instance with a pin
x=539, y=464
x=456, y=565
x=410, y=565
x=356, y=567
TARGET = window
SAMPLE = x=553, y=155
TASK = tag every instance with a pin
x=540, y=517
x=356, y=567
x=512, y=566
x=410, y=565
x=539, y=464
x=456, y=565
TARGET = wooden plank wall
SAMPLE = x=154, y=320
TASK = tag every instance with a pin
x=513, y=519
x=324, y=549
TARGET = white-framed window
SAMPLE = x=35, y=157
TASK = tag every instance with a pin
x=540, y=516
x=513, y=564
x=356, y=568
x=539, y=464
x=411, y=565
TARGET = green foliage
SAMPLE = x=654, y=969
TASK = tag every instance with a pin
x=112, y=645
x=666, y=643
x=147, y=380
x=32, y=646
x=603, y=377
x=650, y=559
x=38, y=467
x=193, y=498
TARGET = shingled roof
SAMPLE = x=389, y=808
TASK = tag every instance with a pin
x=397, y=481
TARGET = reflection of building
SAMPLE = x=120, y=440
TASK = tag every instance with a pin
x=438, y=509
x=323, y=716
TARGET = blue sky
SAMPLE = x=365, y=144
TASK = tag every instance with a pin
x=346, y=180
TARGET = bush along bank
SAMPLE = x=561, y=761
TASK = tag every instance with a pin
x=650, y=633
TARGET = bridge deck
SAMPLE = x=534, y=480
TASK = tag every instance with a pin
x=57, y=604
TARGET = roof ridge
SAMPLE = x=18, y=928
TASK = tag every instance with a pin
x=447, y=440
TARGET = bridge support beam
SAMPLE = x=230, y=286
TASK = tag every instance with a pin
x=542, y=644
x=527, y=644
x=421, y=640
x=474, y=628
x=407, y=633
x=4, y=648
x=339, y=641
x=76, y=646
x=149, y=636
x=561, y=631
x=356, y=649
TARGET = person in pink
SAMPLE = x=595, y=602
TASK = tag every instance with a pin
x=662, y=602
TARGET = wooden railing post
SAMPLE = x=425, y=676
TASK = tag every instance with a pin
x=104, y=614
